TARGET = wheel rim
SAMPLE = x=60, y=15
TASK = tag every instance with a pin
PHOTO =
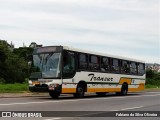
x=80, y=91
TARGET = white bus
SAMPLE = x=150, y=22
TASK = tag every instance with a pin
x=61, y=69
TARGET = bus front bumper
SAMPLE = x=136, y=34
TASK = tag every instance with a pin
x=38, y=88
x=44, y=88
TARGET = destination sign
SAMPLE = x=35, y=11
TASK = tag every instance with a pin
x=48, y=49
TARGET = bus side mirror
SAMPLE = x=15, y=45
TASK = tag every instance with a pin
x=29, y=63
x=29, y=59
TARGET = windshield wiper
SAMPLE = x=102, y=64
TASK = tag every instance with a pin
x=48, y=56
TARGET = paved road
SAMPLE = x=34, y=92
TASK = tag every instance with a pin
x=91, y=106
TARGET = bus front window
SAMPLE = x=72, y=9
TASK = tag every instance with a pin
x=48, y=64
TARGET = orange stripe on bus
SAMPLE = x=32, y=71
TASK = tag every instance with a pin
x=103, y=89
x=73, y=90
x=68, y=90
x=127, y=80
x=141, y=87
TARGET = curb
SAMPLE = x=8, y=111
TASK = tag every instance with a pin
x=21, y=95
x=18, y=95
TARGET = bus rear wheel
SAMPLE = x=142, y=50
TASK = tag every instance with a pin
x=79, y=92
x=124, y=90
x=54, y=94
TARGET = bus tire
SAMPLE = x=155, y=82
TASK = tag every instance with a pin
x=54, y=95
x=124, y=90
x=79, y=92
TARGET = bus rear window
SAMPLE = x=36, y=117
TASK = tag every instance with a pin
x=141, y=69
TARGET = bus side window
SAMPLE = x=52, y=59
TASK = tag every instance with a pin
x=105, y=67
x=125, y=68
x=115, y=65
x=82, y=61
x=133, y=68
x=141, y=69
x=68, y=64
x=94, y=62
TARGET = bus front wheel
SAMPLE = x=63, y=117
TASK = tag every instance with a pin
x=79, y=92
x=54, y=94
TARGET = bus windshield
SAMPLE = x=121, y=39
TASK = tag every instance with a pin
x=48, y=64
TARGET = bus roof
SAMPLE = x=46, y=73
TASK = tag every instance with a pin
x=101, y=54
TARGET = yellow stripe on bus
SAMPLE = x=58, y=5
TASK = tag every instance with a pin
x=103, y=89
x=73, y=90
x=68, y=90
x=127, y=80
x=141, y=87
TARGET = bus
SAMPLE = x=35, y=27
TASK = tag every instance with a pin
x=67, y=70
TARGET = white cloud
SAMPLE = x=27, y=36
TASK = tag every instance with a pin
x=117, y=26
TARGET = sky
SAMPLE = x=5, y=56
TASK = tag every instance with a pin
x=128, y=28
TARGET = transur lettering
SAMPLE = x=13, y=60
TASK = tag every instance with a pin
x=94, y=78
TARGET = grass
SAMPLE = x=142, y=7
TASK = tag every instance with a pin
x=14, y=88
x=152, y=86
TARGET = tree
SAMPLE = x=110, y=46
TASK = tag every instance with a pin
x=4, y=53
x=150, y=73
x=152, y=77
x=23, y=52
x=13, y=65
x=16, y=69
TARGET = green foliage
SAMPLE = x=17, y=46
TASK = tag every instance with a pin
x=23, y=52
x=152, y=77
x=16, y=87
x=152, y=86
x=17, y=69
x=13, y=65
x=2, y=80
x=4, y=52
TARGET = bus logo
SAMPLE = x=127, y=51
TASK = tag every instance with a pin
x=94, y=78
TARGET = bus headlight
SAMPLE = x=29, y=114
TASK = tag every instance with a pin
x=53, y=86
x=30, y=82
